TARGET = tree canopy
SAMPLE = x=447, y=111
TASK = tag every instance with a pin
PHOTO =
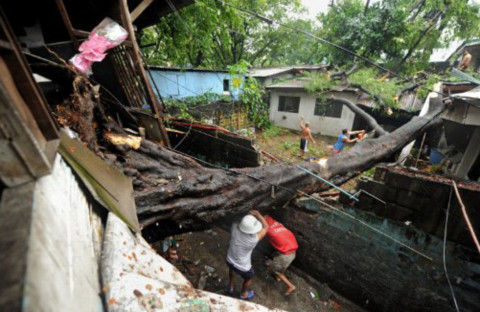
x=400, y=33
x=211, y=35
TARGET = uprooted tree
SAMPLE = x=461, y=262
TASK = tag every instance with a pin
x=175, y=193
x=197, y=197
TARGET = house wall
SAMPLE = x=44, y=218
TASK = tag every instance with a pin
x=319, y=125
x=178, y=84
x=63, y=250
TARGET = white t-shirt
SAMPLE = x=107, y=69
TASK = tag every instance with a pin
x=240, y=250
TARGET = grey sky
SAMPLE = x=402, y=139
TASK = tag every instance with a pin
x=315, y=6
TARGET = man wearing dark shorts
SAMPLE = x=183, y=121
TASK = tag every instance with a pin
x=244, y=238
x=305, y=136
x=285, y=246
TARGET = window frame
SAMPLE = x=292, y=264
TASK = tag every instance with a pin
x=331, y=111
x=283, y=105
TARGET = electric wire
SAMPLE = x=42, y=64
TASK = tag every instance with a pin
x=306, y=33
x=466, y=218
x=351, y=196
x=185, y=136
x=444, y=257
x=292, y=191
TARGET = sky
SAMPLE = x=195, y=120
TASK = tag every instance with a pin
x=315, y=6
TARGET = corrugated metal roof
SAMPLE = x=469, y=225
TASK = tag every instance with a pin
x=178, y=69
x=272, y=71
x=472, y=94
x=409, y=101
x=301, y=83
x=442, y=55
x=289, y=84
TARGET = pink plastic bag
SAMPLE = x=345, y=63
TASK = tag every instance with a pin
x=108, y=34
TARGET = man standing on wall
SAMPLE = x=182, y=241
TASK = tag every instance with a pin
x=285, y=246
x=305, y=136
x=467, y=57
x=344, y=138
x=244, y=238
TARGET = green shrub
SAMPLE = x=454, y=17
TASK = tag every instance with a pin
x=271, y=131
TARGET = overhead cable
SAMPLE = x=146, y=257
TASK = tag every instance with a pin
x=444, y=257
x=306, y=33
x=294, y=191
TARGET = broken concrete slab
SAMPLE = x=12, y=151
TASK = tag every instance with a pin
x=136, y=278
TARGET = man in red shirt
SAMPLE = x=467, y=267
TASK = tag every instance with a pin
x=285, y=246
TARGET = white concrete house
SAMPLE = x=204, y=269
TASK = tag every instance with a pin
x=289, y=101
x=269, y=75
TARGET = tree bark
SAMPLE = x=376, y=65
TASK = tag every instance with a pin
x=176, y=194
x=379, y=131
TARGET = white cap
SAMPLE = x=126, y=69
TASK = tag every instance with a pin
x=250, y=225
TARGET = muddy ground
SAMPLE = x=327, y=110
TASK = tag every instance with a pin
x=285, y=145
x=203, y=254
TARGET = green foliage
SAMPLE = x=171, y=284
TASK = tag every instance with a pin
x=386, y=90
x=423, y=92
x=400, y=33
x=369, y=173
x=287, y=145
x=318, y=82
x=185, y=105
x=251, y=95
x=271, y=131
x=209, y=34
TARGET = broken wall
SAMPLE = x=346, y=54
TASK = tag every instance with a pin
x=421, y=199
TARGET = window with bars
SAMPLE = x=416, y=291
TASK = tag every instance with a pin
x=288, y=104
x=328, y=109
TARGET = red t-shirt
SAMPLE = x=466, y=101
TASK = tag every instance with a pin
x=280, y=237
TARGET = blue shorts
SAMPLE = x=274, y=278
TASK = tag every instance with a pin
x=246, y=275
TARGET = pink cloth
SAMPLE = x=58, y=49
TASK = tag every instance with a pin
x=92, y=50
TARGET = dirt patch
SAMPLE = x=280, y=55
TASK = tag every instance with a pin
x=202, y=260
x=285, y=145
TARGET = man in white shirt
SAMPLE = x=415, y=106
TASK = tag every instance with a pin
x=244, y=237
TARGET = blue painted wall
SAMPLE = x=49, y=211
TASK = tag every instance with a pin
x=181, y=84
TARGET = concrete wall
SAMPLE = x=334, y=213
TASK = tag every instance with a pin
x=376, y=272
x=181, y=84
x=421, y=200
x=62, y=262
x=322, y=125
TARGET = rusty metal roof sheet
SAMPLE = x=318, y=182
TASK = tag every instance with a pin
x=272, y=71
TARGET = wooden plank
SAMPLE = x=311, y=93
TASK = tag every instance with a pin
x=80, y=33
x=15, y=224
x=139, y=9
x=5, y=45
x=25, y=83
x=127, y=24
x=66, y=20
x=19, y=148
x=110, y=187
x=120, y=74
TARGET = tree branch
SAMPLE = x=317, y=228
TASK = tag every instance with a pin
x=368, y=119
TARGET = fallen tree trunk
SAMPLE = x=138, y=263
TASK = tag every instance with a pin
x=176, y=194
